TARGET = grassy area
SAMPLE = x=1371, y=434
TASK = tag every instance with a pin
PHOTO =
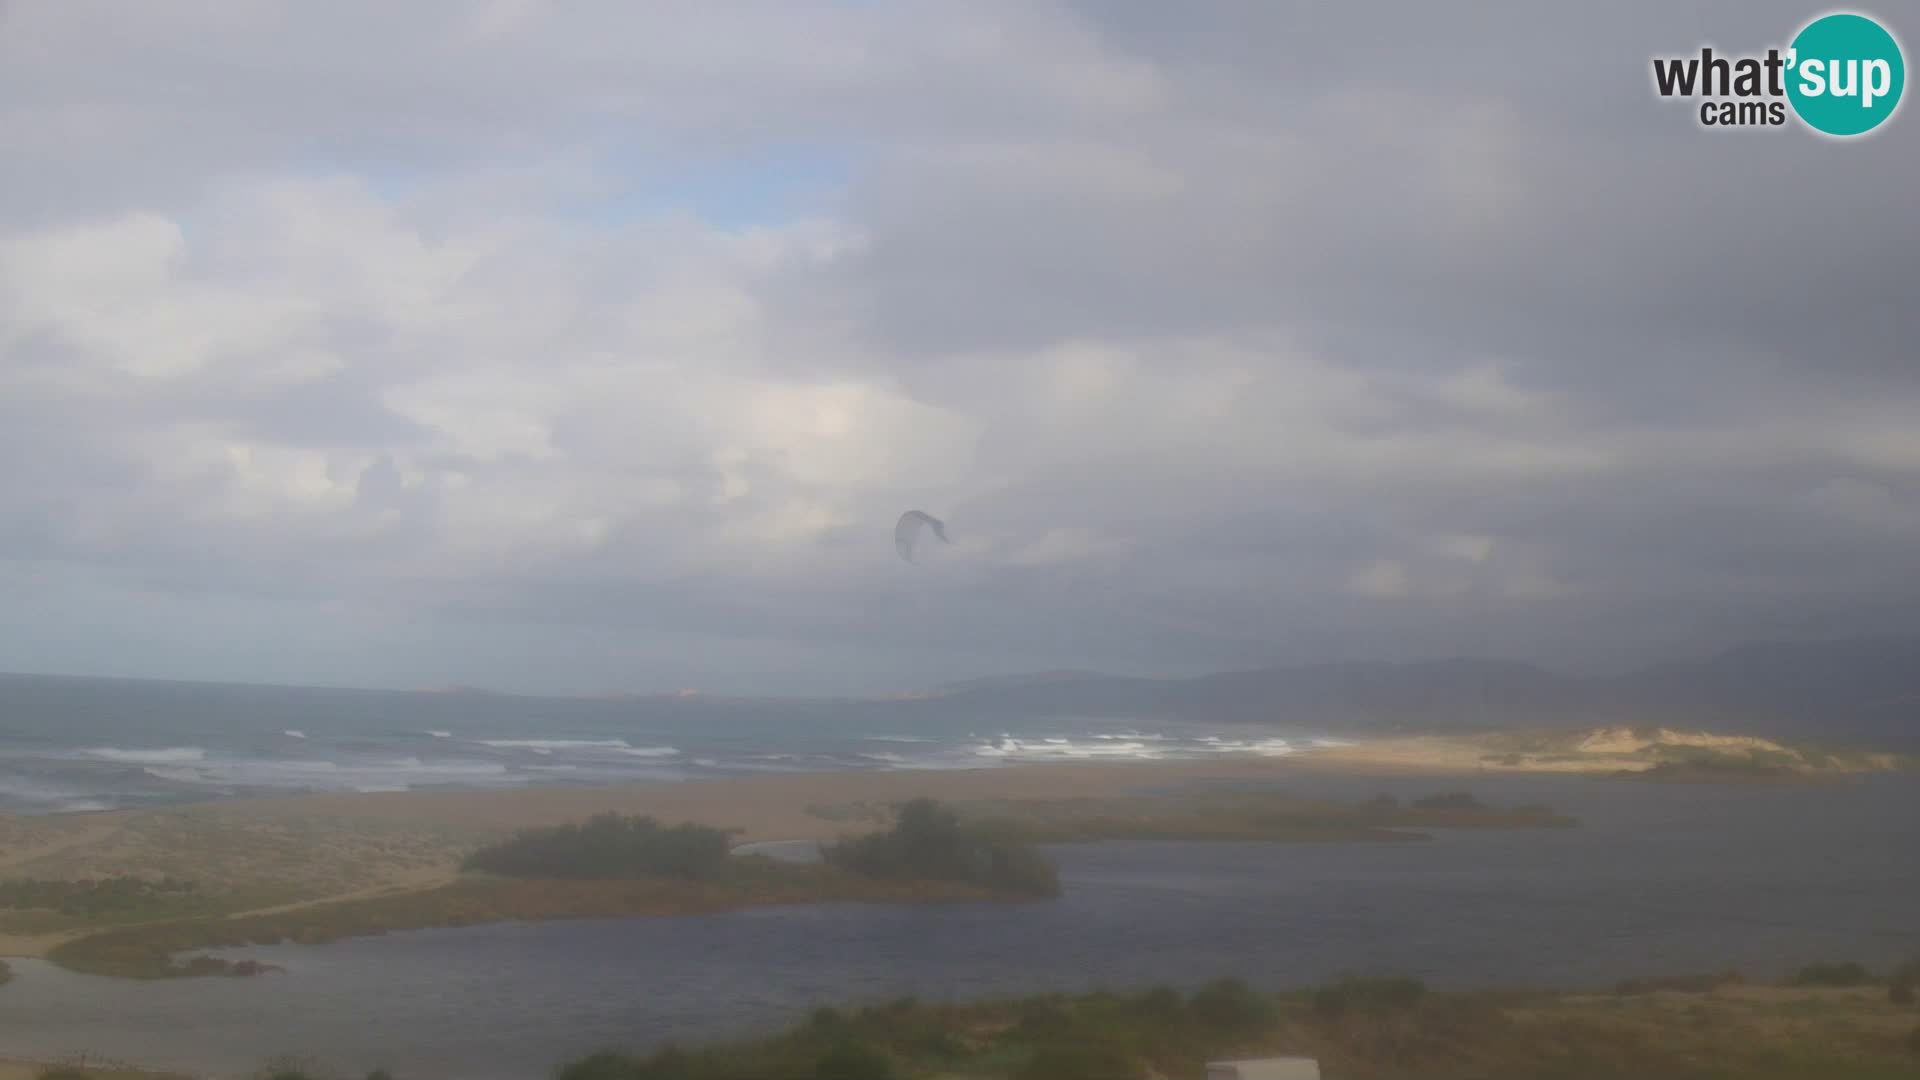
x=1229, y=815
x=1360, y=1029
x=20, y=1070
x=60, y=877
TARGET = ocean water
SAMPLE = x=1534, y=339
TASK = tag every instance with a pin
x=69, y=745
x=1659, y=879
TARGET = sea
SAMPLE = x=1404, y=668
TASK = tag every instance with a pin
x=1657, y=879
x=77, y=745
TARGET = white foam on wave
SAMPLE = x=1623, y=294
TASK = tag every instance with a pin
x=1010, y=748
x=163, y=756
x=391, y=774
x=580, y=746
x=294, y=733
x=1272, y=747
x=440, y=734
x=40, y=796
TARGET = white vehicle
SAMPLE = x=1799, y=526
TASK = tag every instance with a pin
x=1286, y=1068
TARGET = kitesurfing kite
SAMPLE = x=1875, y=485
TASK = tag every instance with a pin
x=906, y=532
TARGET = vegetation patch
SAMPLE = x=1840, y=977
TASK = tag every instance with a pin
x=1245, y=815
x=1847, y=973
x=609, y=847
x=1679, y=984
x=1384, y=1027
x=929, y=842
x=94, y=897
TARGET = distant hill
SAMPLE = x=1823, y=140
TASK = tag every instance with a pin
x=1852, y=689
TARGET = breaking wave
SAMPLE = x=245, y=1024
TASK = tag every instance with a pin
x=165, y=756
x=551, y=746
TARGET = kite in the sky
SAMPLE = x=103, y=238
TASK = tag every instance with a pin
x=907, y=531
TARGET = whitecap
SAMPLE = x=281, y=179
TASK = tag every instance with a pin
x=1017, y=749
x=165, y=756
x=550, y=745
x=294, y=733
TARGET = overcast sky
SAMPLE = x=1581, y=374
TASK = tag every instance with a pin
x=590, y=346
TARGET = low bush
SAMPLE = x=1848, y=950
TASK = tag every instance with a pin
x=608, y=847
x=1080, y=1061
x=1686, y=984
x=1372, y=995
x=1450, y=800
x=1230, y=1004
x=854, y=1061
x=1841, y=974
x=928, y=842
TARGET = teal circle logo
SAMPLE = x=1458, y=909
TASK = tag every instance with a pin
x=1845, y=74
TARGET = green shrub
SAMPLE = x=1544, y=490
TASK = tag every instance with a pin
x=1373, y=995
x=286, y=1068
x=1842, y=974
x=1686, y=984
x=1044, y=1018
x=608, y=847
x=1080, y=1061
x=854, y=1061
x=1449, y=800
x=1161, y=1001
x=1232, y=1005
x=928, y=842
x=1900, y=989
x=91, y=896
x=64, y=1072
x=605, y=1065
